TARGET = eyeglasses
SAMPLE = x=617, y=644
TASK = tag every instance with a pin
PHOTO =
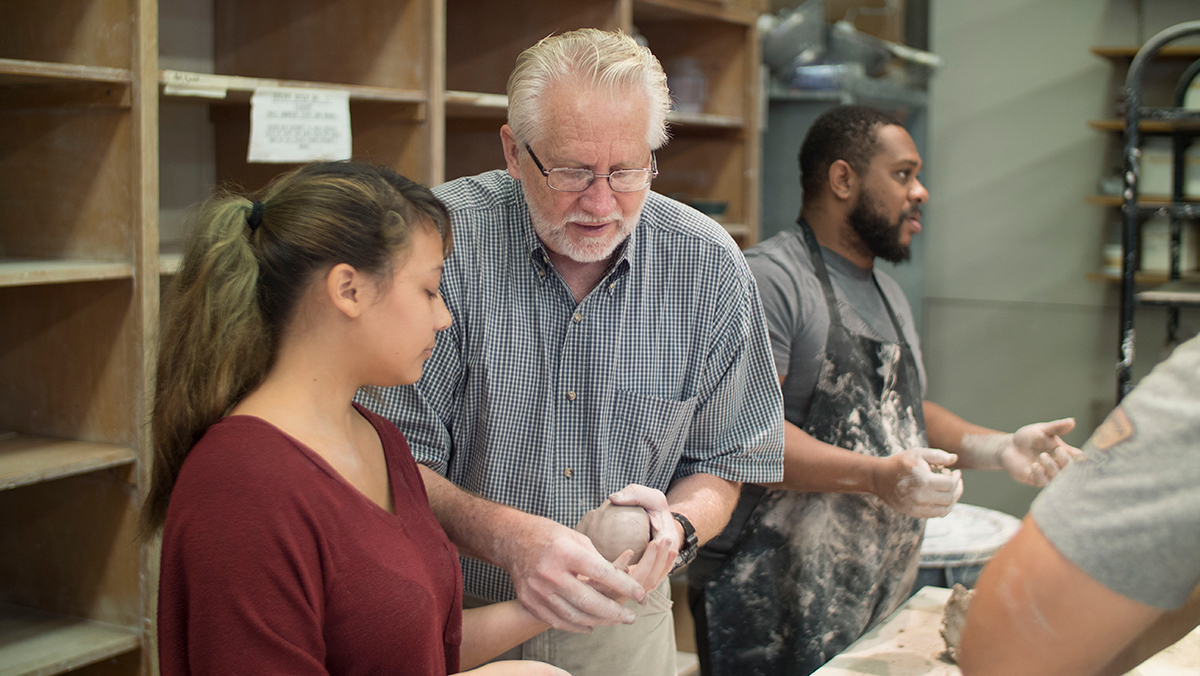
x=568, y=179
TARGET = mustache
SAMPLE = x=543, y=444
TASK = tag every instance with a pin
x=914, y=212
x=584, y=218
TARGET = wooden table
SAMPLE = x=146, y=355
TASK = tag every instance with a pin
x=909, y=644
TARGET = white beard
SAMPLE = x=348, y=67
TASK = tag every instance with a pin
x=591, y=250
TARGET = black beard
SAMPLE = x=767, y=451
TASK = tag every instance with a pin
x=877, y=236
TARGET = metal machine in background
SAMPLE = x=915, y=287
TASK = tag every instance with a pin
x=806, y=79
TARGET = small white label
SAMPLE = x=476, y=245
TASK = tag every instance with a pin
x=180, y=83
x=299, y=125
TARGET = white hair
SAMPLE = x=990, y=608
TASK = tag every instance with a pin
x=605, y=60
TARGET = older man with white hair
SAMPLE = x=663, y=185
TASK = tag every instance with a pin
x=608, y=342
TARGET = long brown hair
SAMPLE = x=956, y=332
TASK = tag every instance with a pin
x=246, y=264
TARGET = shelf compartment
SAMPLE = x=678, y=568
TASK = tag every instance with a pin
x=353, y=42
x=29, y=271
x=69, y=360
x=26, y=459
x=1183, y=292
x=84, y=32
x=236, y=89
x=383, y=134
x=35, y=643
x=67, y=187
x=484, y=37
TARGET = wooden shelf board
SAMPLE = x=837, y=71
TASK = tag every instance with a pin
x=682, y=10
x=1143, y=200
x=17, y=71
x=168, y=263
x=35, y=643
x=705, y=120
x=27, y=459
x=1148, y=126
x=1178, y=292
x=29, y=271
x=476, y=104
x=1117, y=53
x=736, y=229
x=1141, y=277
x=237, y=89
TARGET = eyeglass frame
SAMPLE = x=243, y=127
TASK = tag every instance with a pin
x=651, y=173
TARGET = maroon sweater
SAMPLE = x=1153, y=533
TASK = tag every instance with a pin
x=273, y=564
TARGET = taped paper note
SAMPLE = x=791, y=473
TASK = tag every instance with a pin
x=299, y=125
x=179, y=83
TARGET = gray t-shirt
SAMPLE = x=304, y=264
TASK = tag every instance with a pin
x=1129, y=515
x=798, y=317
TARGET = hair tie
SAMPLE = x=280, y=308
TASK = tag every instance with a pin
x=254, y=218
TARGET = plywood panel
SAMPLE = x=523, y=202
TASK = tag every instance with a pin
x=383, y=43
x=88, y=32
x=65, y=183
x=68, y=361
x=484, y=37
x=69, y=546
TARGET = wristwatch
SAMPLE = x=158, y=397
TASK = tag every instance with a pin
x=691, y=544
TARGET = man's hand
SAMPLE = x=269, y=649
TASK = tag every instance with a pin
x=547, y=561
x=1035, y=453
x=666, y=531
x=907, y=483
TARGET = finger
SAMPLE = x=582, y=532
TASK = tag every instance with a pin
x=546, y=613
x=1058, y=427
x=581, y=603
x=1037, y=476
x=622, y=585
x=936, y=456
x=1070, y=452
x=643, y=496
x=1049, y=466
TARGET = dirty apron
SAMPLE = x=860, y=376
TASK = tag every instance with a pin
x=810, y=572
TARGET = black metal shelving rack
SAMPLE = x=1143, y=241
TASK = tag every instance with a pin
x=1185, y=126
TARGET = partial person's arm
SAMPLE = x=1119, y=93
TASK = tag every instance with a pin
x=905, y=481
x=1036, y=613
x=490, y=630
x=544, y=558
x=1032, y=455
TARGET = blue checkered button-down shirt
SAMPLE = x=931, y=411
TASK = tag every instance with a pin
x=664, y=370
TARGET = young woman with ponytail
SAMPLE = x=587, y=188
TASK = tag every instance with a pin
x=297, y=535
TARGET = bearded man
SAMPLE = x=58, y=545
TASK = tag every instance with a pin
x=806, y=566
x=608, y=342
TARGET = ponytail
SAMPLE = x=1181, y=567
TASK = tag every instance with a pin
x=214, y=347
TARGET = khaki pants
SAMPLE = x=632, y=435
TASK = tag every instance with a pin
x=644, y=648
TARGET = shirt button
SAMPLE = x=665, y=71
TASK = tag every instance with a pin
x=571, y=395
x=568, y=472
x=541, y=273
x=577, y=318
x=611, y=285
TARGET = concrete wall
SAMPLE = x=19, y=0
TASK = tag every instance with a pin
x=1013, y=331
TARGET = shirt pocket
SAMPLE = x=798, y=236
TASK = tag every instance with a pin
x=649, y=432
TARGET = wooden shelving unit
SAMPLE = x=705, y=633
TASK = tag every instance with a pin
x=118, y=115
x=77, y=235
